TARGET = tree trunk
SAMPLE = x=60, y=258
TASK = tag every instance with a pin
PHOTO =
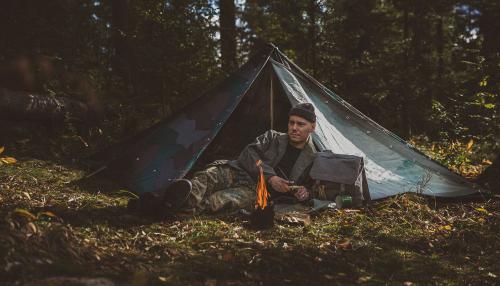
x=440, y=67
x=311, y=11
x=26, y=106
x=122, y=60
x=404, y=91
x=228, y=34
x=489, y=25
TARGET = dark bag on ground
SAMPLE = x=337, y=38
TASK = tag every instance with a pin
x=339, y=174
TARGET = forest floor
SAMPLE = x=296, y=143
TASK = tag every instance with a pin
x=53, y=226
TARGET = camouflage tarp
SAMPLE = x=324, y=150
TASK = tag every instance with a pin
x=257, y=97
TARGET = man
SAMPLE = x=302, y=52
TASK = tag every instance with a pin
x=285, y=157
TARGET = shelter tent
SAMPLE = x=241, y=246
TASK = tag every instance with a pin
x=256, y=98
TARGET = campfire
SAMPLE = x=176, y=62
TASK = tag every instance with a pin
x=263, y=214
x=262, y=193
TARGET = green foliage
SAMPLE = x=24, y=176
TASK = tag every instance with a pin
x=400, y=62
x=467, y=157
x=416, y=67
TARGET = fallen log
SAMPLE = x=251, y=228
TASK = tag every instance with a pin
x=16, y=105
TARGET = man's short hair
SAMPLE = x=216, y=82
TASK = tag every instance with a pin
x=304, y=110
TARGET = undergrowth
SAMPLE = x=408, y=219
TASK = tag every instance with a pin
x=52, y=225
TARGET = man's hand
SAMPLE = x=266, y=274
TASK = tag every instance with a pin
x=279, y=184
x=302, y=194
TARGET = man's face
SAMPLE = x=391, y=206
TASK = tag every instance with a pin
x=299, y=129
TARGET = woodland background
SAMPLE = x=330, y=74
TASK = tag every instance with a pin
x=419, y=68
x=426, y=70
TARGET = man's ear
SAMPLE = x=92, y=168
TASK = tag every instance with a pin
x=313, y=126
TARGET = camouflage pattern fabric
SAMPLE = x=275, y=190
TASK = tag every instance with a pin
x=156, y=157
x=220, y=187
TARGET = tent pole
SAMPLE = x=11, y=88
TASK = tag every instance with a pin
x=272, y=102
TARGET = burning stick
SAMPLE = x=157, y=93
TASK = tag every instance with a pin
x=263, y=215
x=262, y=193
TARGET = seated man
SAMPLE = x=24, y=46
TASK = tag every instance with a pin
x=231, y=184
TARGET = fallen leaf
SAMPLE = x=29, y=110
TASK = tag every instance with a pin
x=485, y=161
x=164, y=279
x=482, y=210
x=446, y=227
x=469, y=145
x=24, y=213
x=2, y=149
x=47, y=213
x=32, y=227
x=344, y=244
x=8, y=160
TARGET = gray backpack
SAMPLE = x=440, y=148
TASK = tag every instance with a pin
x=339, y=174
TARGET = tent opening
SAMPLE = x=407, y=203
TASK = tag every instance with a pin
x=260, y=109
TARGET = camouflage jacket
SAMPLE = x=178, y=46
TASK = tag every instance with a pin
x=270, y=148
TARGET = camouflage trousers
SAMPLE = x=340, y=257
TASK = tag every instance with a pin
x=220, y=187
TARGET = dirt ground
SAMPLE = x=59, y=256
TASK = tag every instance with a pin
x=53, y=226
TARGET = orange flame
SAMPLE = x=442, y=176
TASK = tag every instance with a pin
x=262, y=193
